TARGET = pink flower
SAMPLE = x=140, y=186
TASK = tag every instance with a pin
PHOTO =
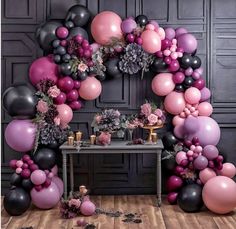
x=74, y=202
x=146, y=109
x=57, y=121
x=117, y=113
x=42, y=106
x=82, y=67
x=54, y=91
x=152, y=119
x=98, y=118
x=104, y=138
x=158, y=112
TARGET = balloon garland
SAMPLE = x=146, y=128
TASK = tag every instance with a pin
x=72, y=72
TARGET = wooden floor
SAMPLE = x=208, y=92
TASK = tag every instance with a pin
x=168, y=216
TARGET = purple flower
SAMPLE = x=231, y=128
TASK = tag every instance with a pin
x=146, y=109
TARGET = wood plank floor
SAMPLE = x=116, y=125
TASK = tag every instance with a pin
x=168, y=216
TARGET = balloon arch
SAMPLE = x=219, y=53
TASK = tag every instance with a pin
x=72, y=72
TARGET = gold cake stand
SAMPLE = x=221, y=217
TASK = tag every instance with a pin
x=151, y=130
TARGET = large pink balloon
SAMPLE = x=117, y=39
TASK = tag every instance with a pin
x=90, y=88
x=192, y=95
x=151, y=41
x=46, y=198
x=219, y=194
x=43, y=68
x=20, y=135
x=206, y=174
x=162, y=84
x=205, y=109
x=106, y=25
x=65, y=114
x=59, y=184
x=174, y=103
x=228, y=170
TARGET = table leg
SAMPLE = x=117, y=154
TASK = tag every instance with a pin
x=71, y=175
x=64, y=174
x=159, y=178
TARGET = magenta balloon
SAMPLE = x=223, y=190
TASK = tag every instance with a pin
x=170, y=33
x=188, y=42
x=199, y=83
x=210, y=152
x=151, y=41
x=174, y=183
x=179, y=31
x=228, y=170
x=178, y=77
x=72, y=95
x=208, y=132
x=38, y=177
x=174, y=103
x=172, y=197
x=205, y=94
x=206, y=174
x=20, y=135
x=191, y=124
x=219, y=194
x=43, y=68
x=106, y=25
x=60, y=99
x=200, y=162
x=179, y=131
x=64, y=113
x=75, y=105
x=59, y=184
x=66, y=84
x=128, y=25
x=46, y=198
x=173, y=66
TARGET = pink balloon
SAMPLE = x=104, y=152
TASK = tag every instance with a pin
x=106, y=25
x=180, y=156
x=151, y=41
x=65, y=114
x=46, y=198
x=179, y=131
x=162, y=84
x=59, y=184
x=188, y=42
x=174, y=103
x=87, y=208
x=177, y=120
x=205, y=109
x=43, y=68
x=228, y=170
x=219, y=194
x=38, y=177
x=54, y=170
x=192, y=95
x=20, y=135
x=90, y=88
x=206, y=174
x=205, y=94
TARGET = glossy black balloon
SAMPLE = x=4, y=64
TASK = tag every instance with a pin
x=53, y=145
x=112, y=68
x=142, y=20
x=15, y=179
x=69, y=24
x=27, y=184
x=101, y=77
x=196, y=62
x=169, y=140
x=79, y=15
x=159, y=65
x=60, y=50
x=168, y=164
x=179, y=88
x=57, y=59
x=16, y=201
x=20, y=101
x=186, y=61
x=45, y=158
x=65, y=69
x=82, y=76
x=190, y=198
x=76, y=31
x=46, y=34
x=188, y=82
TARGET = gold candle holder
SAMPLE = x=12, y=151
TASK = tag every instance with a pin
x=71, y=140
x=92, y=139
x=78, y=136
x=154, y=137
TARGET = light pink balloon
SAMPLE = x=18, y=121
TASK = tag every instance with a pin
x=228, y=170
x=87, y=208
x=206, y=174
x=219, y=194
x=180, y=156
x=205, y=109
x=106, y=25
x=54, y=170
x=174, y=103
x=59, y=184
x=162, y=84
x=90, y=88
x=177, y=120
x=65, y=114
x=38, y=177
x=151, y=41
x=192, y=95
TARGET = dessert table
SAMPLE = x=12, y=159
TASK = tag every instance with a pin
x=116, y=147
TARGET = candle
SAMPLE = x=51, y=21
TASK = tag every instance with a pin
x=92, y=139
x=78, y=136
x=154, y=137
x=70, y=140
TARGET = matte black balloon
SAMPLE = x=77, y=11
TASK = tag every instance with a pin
x=16, y=201
x=169, y=140
x=46, y=34
x=56, y=43
x=188, y=82
x=142, y=20
x=159, y=65
x=69, y=24
x=27, y=184
x=65, y=69
x=179, y=87
x=168, y=164
x=112, y=68
x=190, y=198
x=79, y=15
x=45, y=158
x=20, y=101
x=74, y=75
x=76, y=31
x=60, y=50
x=196, y=62
x=66, y=58
x=15, y=179
x=57, y=59
x=82, y=76
x=101, y=77
x=53, y=145
x=186, y=61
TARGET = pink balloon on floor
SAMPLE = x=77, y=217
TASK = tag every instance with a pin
x=205, y=109
x=65, y=114
x=228, y=170
x=87, y=208
x=59, y=183
x=174, y=103
x=206, y=174
x=151, y=41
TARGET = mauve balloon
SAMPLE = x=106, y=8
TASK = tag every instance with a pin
x=188, y=42
x=205, y=94
x=200, y=162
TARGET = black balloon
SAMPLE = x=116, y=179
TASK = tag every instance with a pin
x=45, y=158
x=15, y=179
x=20, y=101
x=186, y=61
x=82, y=76
x=188, y=82
x=112, y=68
x=76, y=31
x=190, y=198
x=169, y=140
x=159, y=65
x=69, y=24
x=16, y=201
x=169, y=163
x=142, y=20
x=53, y=145
x=196, y=62
x=179, y=87
x=101, y=77
x=57, y=59
x=27, y=184
x=65, y=69
x=46, y=34
x=79, y=15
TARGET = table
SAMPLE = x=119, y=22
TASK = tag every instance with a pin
x=114, y=148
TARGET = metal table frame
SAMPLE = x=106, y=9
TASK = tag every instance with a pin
x=114, y=148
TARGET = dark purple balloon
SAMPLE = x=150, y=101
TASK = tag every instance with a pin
x=75, y=105
x=174, y=183
x=60, y=99
x=199, y=84
x=172, y=197
x=77, y=84
x=166, y=43
x=66, y=84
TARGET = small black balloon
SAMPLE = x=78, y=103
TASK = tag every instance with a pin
x=20, y=101
x=57, y=59
x=169, y=140
x=112, y=68
x=53, y=145
x=60, y=50
x=188, y=82
x=196, y=62
x=186, y=61
x=65, y=69
x=66, y=58
x=27, y=184
x=76, y=31
x=56, y=43
x=69, y=24
x=15, y=179
x=16, y=201
x=159, y=65
x=142, y=20
x=82, y=76
x=79, y=15
x=45, y=158
x=74, y=75
x=190, y=198
x=169, y=164
x=101, y=77
x=179, y=87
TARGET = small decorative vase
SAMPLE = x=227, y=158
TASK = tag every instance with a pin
x=151, y=130
x=130, y=134
x=104, y=138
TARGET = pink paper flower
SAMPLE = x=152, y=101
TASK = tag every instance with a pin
x=146, y=109
x=54, y=91
x=74, y=202
x=158, y=112
x=57, y=121
x=42, y=106
x=82, y=67
x=152, y=119
x=104, y=138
